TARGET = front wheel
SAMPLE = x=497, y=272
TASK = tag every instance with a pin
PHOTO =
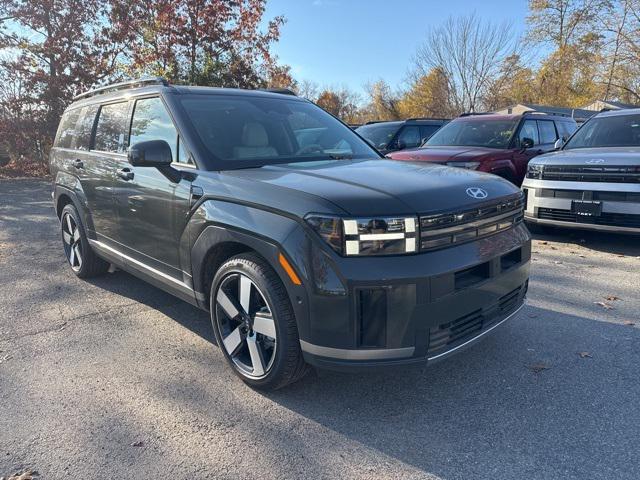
x=254, y=323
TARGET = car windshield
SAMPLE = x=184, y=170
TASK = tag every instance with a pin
x=242, y=131
x=378, y=134
x=474, y=133
x=608, y=131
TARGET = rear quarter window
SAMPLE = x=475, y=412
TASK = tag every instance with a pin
x=67, y=129
x=111, y=128
x=84, y=127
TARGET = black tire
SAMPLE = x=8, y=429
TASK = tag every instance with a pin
x=285, y=364
x=74, y=241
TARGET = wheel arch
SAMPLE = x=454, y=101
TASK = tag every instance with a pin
x=217, y=243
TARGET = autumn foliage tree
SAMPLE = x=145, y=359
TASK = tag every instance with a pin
x=204, y=42
x=60, y=47
x=54, y=49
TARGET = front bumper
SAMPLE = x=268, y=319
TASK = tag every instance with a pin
x=413, y=308
x=550, y=203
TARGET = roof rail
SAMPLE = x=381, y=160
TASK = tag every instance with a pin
x=471, y=114
x=557, y=114
x=282, y=91
x=426, y=118
x=138, y=82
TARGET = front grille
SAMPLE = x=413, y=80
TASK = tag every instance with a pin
x=450, y=334
x=607, y=218
x=589, y=195
x=444, y=230
x=610, y=174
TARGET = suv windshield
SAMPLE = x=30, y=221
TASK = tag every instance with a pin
x=474, y=133
x=611, y=131
x=378, y=134
x=243, y=131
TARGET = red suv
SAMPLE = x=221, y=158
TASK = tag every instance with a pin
x=499, y=144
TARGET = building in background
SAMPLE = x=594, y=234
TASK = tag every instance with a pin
x=580, y=115
x=609, y=105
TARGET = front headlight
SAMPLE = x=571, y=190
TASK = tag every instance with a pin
x=468, y=165
x=535, y=171
x=367, y=236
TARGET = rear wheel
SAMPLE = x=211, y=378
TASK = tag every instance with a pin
x=254, y=323
x=82, y=259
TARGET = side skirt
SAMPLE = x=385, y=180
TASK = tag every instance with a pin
x=145, y=272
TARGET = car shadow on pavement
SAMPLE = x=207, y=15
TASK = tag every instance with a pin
x=128, y=286
x=549, y=395
x=606, y=242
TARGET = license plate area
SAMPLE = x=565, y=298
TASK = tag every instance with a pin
x=586, y=208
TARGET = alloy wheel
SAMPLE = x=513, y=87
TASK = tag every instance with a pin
x=246, y=325
x=72, y=243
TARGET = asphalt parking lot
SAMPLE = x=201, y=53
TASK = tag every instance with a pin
x=113, y=378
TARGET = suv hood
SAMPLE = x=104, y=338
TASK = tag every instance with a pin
x=442, y=154
x=619, y=156
x=377, y=187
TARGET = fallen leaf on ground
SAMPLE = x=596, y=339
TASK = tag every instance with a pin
x=5, y=358
x=26, y=475
x=604, y=305
x=629, y=322
x=621, y=256
x=585, y=355
x=557, y=262
x=553, y=248
x=582, y=256
x=137, y=444
x=612, y=298
x=544, y=243
x=538, y=367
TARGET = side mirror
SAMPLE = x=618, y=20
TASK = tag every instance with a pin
x=558, y=144
x=153, y=153
x=400, y=145
x=526, y=143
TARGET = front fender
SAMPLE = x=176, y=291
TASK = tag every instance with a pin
x=216, y=223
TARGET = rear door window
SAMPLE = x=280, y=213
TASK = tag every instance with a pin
x=151, y=121
x=427, y=130
x=111, y=128
x=67, y=129
x=409, y=137
x=547, y=131
x=529, y=130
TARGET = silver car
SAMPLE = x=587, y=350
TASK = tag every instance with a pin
x=593, y=181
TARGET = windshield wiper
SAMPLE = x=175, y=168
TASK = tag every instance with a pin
x=341, y=157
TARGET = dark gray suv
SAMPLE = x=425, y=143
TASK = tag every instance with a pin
x=304, y=244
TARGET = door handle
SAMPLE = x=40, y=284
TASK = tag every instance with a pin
x=77, y=163
x=125, y=174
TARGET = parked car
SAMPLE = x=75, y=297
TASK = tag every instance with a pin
x=593, y=181
x=303, y=243
x=401, y=134
x=498, y=144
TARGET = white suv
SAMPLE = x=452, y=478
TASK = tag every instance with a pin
x=593, y=181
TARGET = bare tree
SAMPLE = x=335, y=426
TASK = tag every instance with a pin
x=471, y=53
x=563, y=22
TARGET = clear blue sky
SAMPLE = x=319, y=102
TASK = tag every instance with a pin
x=351, y=42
